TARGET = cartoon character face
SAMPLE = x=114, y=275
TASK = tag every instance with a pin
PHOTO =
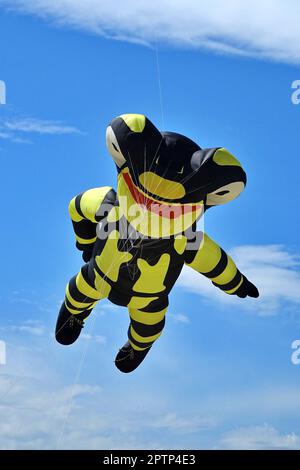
x=169, y=169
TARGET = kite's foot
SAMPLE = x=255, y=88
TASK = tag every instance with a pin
x=68, y=326
x=129, y=359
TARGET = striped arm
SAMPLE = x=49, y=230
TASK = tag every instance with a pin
x=84, y=212
x=212, y=261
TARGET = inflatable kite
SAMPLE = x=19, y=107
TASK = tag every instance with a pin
x=136, y=241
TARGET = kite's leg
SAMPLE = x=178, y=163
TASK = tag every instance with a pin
x=144, y=329
x=83, y=292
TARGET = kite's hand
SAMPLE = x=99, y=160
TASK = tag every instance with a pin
x=86, y=256
x=247, y=289
x=87, y=251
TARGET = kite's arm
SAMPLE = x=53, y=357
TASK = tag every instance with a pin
x=85, y=215
x=212, y=261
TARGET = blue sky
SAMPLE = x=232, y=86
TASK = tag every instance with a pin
x=221, y=375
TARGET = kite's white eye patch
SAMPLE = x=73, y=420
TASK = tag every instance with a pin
x=113, y=147
x=225, y=194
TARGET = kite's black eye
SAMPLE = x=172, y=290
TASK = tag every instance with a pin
x=221, y=193
x=115, y=147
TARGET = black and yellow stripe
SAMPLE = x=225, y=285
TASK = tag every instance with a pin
x=84, y=212
x=81, y=294
x=212, y=261
x=145, y=327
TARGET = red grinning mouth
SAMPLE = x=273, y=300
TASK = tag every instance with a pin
x=164, y=210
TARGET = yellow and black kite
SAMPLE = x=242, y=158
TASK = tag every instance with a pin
x=136, y=241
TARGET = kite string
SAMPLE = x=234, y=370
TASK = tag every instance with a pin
x=81, y=363
x=75, y=383
x=159, y=87
x=84, y=353
x=85, y=350
x=158, y=70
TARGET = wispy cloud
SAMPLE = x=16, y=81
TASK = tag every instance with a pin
x=13, y=138
x=259, y=438
x=266, y=401
x=40, y=410
x=32, y=327
x=273, y=268
x=259, y=28
x=181, y=424
x=49, y=415
x=96, y=338
x=5, y=135
x=33, y=330
x=39, y=126
x=13, y=129
x=179, y=318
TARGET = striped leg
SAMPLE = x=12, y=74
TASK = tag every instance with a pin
x=145, y=328
x=81, y=297
x=81, y=294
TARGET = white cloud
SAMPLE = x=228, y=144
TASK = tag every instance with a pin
x=183, y=424
x=259, y=438
x=268, y=401
x=5, y=135
x=33, y=330
x=260, y=28
x=39, y=126
x=11, y=137
x=179, y=318
x=42, y=416
x=13, y=129
x=33, y=416
x=31, y=327
x=96, y=338
x=272, y=268
x=40, y=410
